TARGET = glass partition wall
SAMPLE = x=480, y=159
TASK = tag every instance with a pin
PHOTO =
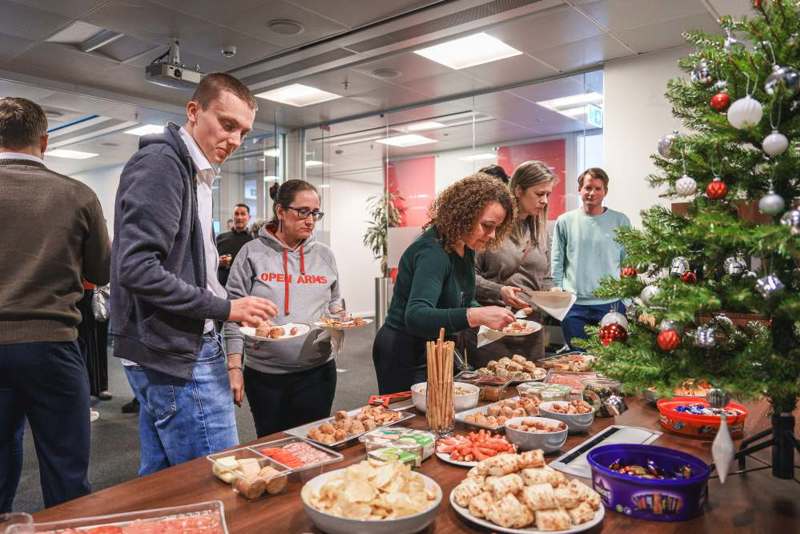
x=408, y=156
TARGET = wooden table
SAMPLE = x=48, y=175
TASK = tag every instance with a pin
x=755, y=502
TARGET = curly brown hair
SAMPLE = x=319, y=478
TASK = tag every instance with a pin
x=456, y=210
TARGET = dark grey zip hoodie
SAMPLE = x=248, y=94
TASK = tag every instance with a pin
x=159, y=299
x=303, y=283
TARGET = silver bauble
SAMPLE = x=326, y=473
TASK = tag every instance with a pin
x=665, y=144
x=769, y=286
x=734, y=265
x=678, y=266
x=771, y=203
x=745, y=113
x=775, y=144
x=705, y=337
x=702, y=74
x=685, y=186
x=720, y=85
x=785, y=77
x=614, y=317
x=718, y=398
x=669, y=324
x=792, y=219
x=731, y=44
x=648, y=293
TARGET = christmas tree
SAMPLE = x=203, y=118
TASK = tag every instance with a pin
x=715, y=289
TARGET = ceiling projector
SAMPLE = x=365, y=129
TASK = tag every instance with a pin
x=168, y=71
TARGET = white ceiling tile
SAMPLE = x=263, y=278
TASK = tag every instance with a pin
x=354, y=13
x=410, y=66
x=546, y=29
x=510, y=70
x=28, y=22
x=591, y=51
x=620, y=15
x=12, y=46
x=69, y=8
x=667, y=34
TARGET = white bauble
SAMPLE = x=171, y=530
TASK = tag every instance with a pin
x=614, y=317
x=775, y=143
x=685, y=186
x=745, y=113
x=771, y=203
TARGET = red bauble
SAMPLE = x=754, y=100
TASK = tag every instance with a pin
x=668, y=340
x=628, y=272
x=757, y=4
x=612, y=332
x=717, y=189
x=689, y=277
x=720, y=101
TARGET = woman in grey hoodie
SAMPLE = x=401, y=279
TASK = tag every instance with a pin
x=522, y=261
x=290, y=382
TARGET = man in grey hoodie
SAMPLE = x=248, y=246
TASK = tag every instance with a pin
x=165, y=292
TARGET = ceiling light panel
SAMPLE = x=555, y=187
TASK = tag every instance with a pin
x=572, y=101
x=469, y=51
x=480, y=157
x=403, y=141
x=70, y=154
x=298, y=95
x=424, y=125
x=313, y=163
x=146, y=129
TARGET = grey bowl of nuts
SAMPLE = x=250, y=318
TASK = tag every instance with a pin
x=529, y=433
x=577, y=414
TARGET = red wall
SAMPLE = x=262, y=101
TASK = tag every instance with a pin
x=415, y=181
x=553, y=153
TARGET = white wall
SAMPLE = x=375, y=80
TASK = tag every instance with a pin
x=104, y=182
x=636, y=115
x=346, y=214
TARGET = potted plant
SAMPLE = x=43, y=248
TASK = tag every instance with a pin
x=385, y=211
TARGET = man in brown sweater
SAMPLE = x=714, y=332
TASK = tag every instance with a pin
x=52, y=234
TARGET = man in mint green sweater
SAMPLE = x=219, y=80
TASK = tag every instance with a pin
x=584, y=251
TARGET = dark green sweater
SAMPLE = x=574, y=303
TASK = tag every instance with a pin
x=433, y=289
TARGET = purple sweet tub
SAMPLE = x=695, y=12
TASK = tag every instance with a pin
x=655, y=500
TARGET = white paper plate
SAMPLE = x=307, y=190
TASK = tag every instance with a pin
x=321, y=324
x=464, y=512
x=531, y=327
x=445, y=457
x=302, y=329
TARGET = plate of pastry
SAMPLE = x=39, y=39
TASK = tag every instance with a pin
x=521, y=327
x=270, y=332
x=519, y=494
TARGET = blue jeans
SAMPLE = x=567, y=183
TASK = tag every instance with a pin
x=580, y=315
x=45, y=383
x=180, y=420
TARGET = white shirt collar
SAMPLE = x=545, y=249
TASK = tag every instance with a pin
x=198, y=158
x=20, y=155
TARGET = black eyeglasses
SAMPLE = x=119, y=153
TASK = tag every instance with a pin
x=303, y=213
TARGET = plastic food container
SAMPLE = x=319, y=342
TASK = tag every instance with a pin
x=698, y=426
x=407, y=453
x=605, y=395
x=651, y=499
x=309, y=470
x=545, y=392
x=200, y=518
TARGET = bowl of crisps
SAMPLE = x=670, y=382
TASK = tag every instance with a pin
x=372, y=497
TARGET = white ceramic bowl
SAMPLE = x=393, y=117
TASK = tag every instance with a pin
x=332, y=524
x=575, y=423
x=461, y=402
x=526, y=441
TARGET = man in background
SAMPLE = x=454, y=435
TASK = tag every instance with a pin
x=165, y=292
x=230, y=243
x=52, y=235
x=584, y=252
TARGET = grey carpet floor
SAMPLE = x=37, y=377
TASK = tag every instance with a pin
x=115, y=441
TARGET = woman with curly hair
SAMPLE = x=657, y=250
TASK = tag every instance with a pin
x=521, y=262
x=435, y=285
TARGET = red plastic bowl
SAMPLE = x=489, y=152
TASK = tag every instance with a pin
x=697, y=426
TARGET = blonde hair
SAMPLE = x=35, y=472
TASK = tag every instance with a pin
x=456, y=210
x=529, y=174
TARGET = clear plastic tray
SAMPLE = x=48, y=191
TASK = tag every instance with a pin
x=209, y=508
x=333, y=456
x=302, y=431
